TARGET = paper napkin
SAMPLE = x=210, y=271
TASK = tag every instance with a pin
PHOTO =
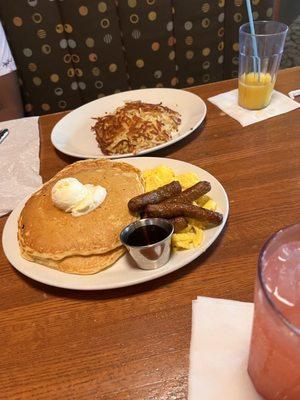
x=19, y=162
x=221, y=332
x=228, y=102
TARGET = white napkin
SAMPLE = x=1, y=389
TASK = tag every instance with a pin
x=221, y=332
x=19, y=162
x=228, y=102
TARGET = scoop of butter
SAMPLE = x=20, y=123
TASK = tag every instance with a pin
x=72, y=196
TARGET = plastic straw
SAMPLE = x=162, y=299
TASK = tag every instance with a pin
x=252, y=31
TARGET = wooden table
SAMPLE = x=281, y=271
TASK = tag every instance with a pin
x=133, y=343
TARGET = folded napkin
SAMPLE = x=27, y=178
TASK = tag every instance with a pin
x=221, y=331
x=19, y=162
x=228, y=102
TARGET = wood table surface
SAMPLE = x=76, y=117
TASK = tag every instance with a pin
x=133, y=343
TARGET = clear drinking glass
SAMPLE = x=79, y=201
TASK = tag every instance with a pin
x=259, y=60
x=274, y=361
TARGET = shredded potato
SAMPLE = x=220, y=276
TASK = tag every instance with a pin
x=135, y=126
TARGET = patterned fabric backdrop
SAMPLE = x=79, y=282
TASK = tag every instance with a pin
x=69, y=52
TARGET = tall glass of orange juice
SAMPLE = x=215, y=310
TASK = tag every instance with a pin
x=259, y=60
x=274, y=361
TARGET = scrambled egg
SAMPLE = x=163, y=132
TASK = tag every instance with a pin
x=192, y=235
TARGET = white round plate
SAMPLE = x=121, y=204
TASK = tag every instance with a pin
x=123, y=272
x=72, y=135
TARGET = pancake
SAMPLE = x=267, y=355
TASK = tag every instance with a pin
x=48, y=233
x=82, y=265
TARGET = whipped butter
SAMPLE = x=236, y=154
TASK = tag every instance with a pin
x=72, y=196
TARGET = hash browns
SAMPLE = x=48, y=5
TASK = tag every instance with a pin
x=134, y=127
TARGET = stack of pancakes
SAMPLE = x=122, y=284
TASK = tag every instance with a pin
x=85, y=244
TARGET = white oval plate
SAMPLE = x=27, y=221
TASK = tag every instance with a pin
x=123, y=272
x=72, y=135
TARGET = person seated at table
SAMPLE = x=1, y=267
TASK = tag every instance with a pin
x=10, y=98
x=291, y=54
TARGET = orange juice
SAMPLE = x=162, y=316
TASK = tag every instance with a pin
x=255, y=90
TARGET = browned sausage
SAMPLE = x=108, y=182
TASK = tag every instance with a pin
x=191, y=194
x=167, y=210
x=138, y=203
x=179, y=223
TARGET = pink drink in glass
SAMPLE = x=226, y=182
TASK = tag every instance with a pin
x=274, y=361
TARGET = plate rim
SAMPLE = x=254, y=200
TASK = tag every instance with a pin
x=158, y=272
x=142, y=152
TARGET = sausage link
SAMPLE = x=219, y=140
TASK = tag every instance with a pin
x=138, y=203
x=179, y=223
x=191, y=194
x=166, y=210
